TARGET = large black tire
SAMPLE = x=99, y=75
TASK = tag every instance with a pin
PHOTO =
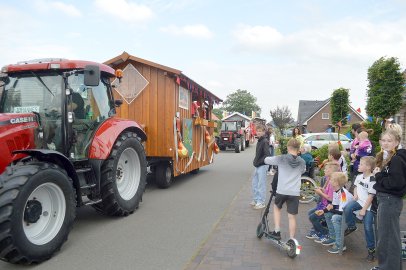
x=164, y=175
x=237, y=145
x=123, y=177
x=29, y=231
x=247, y=143
x=242, y=144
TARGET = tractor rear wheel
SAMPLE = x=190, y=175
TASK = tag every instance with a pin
x=38, y=208
x=123, y=177
x=237, y=145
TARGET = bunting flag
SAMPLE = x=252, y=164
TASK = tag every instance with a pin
x=339, y=124
x=177, y=80
x=348, y=135
x=359, y=110
x=370, y=119
x=348, y=117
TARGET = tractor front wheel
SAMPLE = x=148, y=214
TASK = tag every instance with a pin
x=38, y=208
x=123, y=177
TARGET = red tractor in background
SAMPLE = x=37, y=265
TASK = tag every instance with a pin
x=233, y=135
x=62, y=147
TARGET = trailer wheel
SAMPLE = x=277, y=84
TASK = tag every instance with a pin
x=38, y=208
x=123, y=177
x=163, y=175
x=237, y=145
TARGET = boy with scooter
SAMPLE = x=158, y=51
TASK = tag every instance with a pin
x=290, y=168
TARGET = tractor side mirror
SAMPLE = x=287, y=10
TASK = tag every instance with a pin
x=92, y=75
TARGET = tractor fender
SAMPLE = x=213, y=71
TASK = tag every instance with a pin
x=55, y=157
x=107, y=134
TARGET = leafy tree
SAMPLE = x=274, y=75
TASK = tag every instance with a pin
x=339, y=106
x=281, y=117
x=385, y=88
x=241, y=101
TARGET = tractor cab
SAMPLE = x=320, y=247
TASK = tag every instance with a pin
x=68, y=105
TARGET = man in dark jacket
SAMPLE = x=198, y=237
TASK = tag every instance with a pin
x=259, y=177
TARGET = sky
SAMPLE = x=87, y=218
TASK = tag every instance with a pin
x=279, y=51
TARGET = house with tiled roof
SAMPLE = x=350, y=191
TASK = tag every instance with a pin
x=315, y=116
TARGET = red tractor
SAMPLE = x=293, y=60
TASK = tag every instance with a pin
x=62, y=147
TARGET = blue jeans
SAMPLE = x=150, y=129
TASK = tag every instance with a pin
x=315, y=220
x=259, y=184
x=368, y=222
x=336, y=220
x=389, y=245
x=330, y=226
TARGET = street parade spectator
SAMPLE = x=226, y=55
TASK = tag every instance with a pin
x=297, y=134
x=341, y=197
x=390, y=176
x=259, y=177
x=290, y=168
x=364, y=193
x=319, y=233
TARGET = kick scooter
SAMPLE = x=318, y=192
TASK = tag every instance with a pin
x=291, y=247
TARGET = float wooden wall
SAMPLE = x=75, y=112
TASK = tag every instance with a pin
x=155, y=108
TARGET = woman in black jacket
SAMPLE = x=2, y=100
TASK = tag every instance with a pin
x=390, y=175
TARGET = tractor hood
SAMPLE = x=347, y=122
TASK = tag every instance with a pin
x=16, y=133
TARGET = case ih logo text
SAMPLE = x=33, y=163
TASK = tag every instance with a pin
x=22, y=120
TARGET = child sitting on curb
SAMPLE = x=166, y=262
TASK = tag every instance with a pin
x=319, y=233
x=364, y=193
x=341, y=197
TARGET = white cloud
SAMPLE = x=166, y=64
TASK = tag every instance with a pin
x=125, y=10
x=198, y=31
x=258, y=37
x=346, y=40
x=68, y=9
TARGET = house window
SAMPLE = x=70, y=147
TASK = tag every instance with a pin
x=325, y=116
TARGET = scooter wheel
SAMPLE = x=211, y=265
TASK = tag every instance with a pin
x=292, y=248
x=260, y=230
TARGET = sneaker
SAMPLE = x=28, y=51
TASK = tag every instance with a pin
x=321, y=239
x=375, y=268
x=350, y=230
x=275, y=235
x=328, y=242
x=335, y=250
x=312, y=235
x=253, y=203
x=259, y=206
x=272, y=172
x=371, y=255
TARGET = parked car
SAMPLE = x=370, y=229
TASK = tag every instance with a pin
x=317, y=140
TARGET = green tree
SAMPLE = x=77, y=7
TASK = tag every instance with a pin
x=339, y=106
x=241, y=101
x=385, y=88
x=281, y=117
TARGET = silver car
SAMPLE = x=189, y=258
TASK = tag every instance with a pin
x=317, y=140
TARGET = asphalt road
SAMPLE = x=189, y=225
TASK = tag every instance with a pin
x=165, y=232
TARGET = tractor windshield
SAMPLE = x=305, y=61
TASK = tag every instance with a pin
x=229, y=126
x=28, y=92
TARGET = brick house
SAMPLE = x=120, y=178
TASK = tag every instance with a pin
x=315, y=116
